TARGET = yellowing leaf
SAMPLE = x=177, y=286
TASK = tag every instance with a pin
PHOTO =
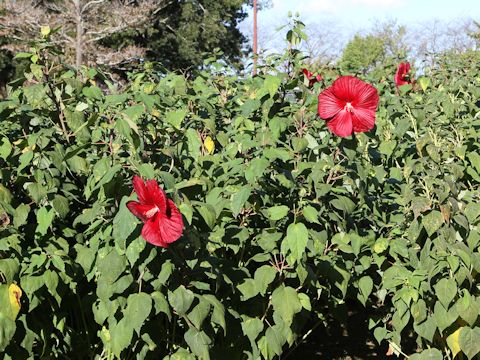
x=29, y=148
x=155, y=113
x=15, y=293
x=452, y=342
x=209, y=145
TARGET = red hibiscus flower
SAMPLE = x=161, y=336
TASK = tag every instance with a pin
x=311, y=79
x=402, y=76
x=348, y=106
x=163, y=223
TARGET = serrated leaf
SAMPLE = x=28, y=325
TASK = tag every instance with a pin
x=432, y=222
x=124, y=224
x=285, y=301
x=137, y=311
x=175, y=118
x=296, y=240
x=277, y=212
x=198, y=342
x=310, y=214
x=181, y=299
x=44, y=220
x=263, y=277
x=239, y=199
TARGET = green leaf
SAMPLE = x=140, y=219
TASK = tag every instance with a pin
x=124, y=224
x=218, y=314
x=426, y=329
x=256, y=169
x=429, y=354
x=271, y=84
x=207, y=212
x=274, y=340
x=248, y=289
x=160, y=304
x=110, y=265
x=343, y=203
x=81, y=106
x=175, y=118
x=446, y=290
x=310, y=214
x=443, y=317
x=24, y=160
x=7, y=330
x=239, y=199
x=380, y=333
x=61, y=206
x=199, y=313
x=277, y=212
x=194, y=143
x=181, y=299
x=137, y=310
x=252, y=327
x=20, y=215
x=432, y=222
x=198, y=343
x=365, y=285
x=296, y=241
x=305, y=301
x=469, y=341
x=44, y=220
x=121, y=336
x=9, y=269
x=285, y=301
x=5, y=148
x=263, y=277
x=37, y=192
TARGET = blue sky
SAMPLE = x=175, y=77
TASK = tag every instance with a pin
x=352, y=16
x=362, y=12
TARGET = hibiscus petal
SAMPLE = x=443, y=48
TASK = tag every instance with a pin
x=347, y=87
x=151, y=232
x=366, y=97
x=171, y=228
x=139, y=210
x=307, y=73
x=140, y=189
x=363, y=120
x=156, y=195
x=341, y=124
x=328, y=104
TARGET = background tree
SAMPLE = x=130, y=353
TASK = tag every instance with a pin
x=81, y=25
x=184, y=30
x=363, y=53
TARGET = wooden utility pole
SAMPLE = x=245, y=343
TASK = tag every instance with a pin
x=255, y=44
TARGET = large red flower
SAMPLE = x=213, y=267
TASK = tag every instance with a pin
x=311, y=79
x=348, y=106
x=402, y=76
x=163, y=223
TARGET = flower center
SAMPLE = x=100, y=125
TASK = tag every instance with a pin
x=348, y=107
x=150, y=213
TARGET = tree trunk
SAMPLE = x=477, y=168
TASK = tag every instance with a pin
x=79, y=35
x=255, y=43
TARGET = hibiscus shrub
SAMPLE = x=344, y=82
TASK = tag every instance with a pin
x=283, y=221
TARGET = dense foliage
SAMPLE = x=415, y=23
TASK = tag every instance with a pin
x=285, y=222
